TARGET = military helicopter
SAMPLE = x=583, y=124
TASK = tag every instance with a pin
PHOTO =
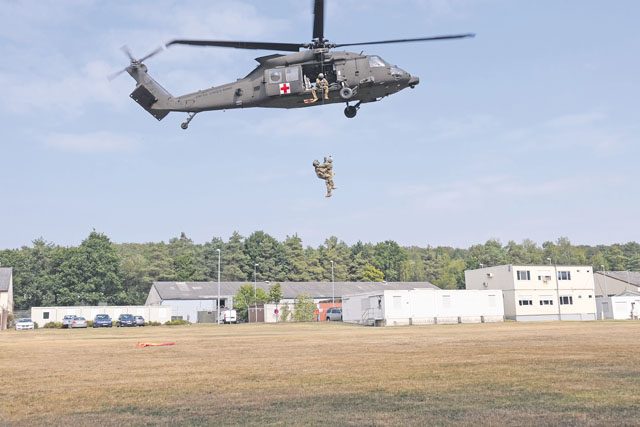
x=283, y=81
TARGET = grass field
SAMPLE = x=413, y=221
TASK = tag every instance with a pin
x=313, y=374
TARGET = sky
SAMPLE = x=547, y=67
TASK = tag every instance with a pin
x=530, y=130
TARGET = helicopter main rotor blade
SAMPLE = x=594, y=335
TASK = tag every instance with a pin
x=421, y=39
x=318, y=20
x=290, y=47
x=152, y=53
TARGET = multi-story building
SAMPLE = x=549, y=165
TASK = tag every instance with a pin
x=539, y=292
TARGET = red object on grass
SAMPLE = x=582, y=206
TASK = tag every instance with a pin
x=153, y=344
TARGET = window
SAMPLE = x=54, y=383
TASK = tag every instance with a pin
x=45, y=315
x=275, y=76
x=546, y=300
x=292, y=74
x=566, y=300
x=176, y=318
x=525, y=300
x=376, y=61
x=524, y=275
x=564, y=275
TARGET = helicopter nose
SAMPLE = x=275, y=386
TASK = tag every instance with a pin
x=414, y=81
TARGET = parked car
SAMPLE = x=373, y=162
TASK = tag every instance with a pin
x=102, y=321
x=24, y=324
x=66, y=320
x=126, y=320
x=139, y=320
x=334, y=314
x=78, y=322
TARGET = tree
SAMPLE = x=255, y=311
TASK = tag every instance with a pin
x=296, y=268
x=372, y=274
x=264, y=250
x=188, y=260
x=275, y=293
x=91, y=273
x=234, y=260
x=305, y=309
x=388, y=258
x=248, y=297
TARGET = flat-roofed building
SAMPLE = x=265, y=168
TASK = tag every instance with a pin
x=192, y=300
x=539, y=292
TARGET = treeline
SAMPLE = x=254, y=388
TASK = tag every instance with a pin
x=99, y=271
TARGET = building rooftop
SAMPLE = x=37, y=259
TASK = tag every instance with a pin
x=630, y=277
x=5, y=278
x=290, y=290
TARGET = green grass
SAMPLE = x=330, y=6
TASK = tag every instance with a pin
x=317, y=374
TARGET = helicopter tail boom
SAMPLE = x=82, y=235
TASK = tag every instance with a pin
x=149, y=94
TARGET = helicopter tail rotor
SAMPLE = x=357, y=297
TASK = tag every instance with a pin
x=135, y=63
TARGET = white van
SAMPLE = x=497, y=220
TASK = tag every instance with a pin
x=228, y=316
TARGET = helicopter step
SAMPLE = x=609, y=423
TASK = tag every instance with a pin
x=184, y=125
x=351, y=110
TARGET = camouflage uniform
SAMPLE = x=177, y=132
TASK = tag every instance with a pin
x=325, y=171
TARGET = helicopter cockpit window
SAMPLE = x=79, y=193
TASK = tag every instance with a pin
x=395, y=71
x=292, y=74
x=376, y=61
x=275, y=76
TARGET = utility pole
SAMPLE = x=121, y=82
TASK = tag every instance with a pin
x=606, y=293
x=255, y=292
x=218, y=306
x=333, y=287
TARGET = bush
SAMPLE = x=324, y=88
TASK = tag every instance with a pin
x=35, y=325
x=285, y=313
x=53, y=325
x=153, y=323
x=177, y=322
x=89, y=323
x=304, y=309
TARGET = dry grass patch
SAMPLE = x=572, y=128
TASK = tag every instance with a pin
x=291, y=374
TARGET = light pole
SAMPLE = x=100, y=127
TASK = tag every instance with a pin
x=218, y=306
x=333, y=288
x=555, y=272
x=604, y=277
x=255, y=291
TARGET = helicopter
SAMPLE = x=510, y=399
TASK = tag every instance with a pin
x=283, y=80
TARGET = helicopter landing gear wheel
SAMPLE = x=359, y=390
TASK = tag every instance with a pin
x=184, y=125
x=346, y=92
x=350, y=111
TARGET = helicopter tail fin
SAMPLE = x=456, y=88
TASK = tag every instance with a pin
x=148, y=93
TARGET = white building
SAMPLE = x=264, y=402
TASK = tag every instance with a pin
x=422, y=307
x=6, y=289
x=44, y=315
x=197, y=300
x=539, y=292
x=625, y=306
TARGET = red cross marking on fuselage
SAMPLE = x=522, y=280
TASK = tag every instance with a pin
x=284, y=88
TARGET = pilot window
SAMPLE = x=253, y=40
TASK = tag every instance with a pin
x=275, y=76
x=376, y=61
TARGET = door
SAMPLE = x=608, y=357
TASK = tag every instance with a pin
x=284, y=81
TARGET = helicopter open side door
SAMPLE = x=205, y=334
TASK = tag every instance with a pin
x=284, y=81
